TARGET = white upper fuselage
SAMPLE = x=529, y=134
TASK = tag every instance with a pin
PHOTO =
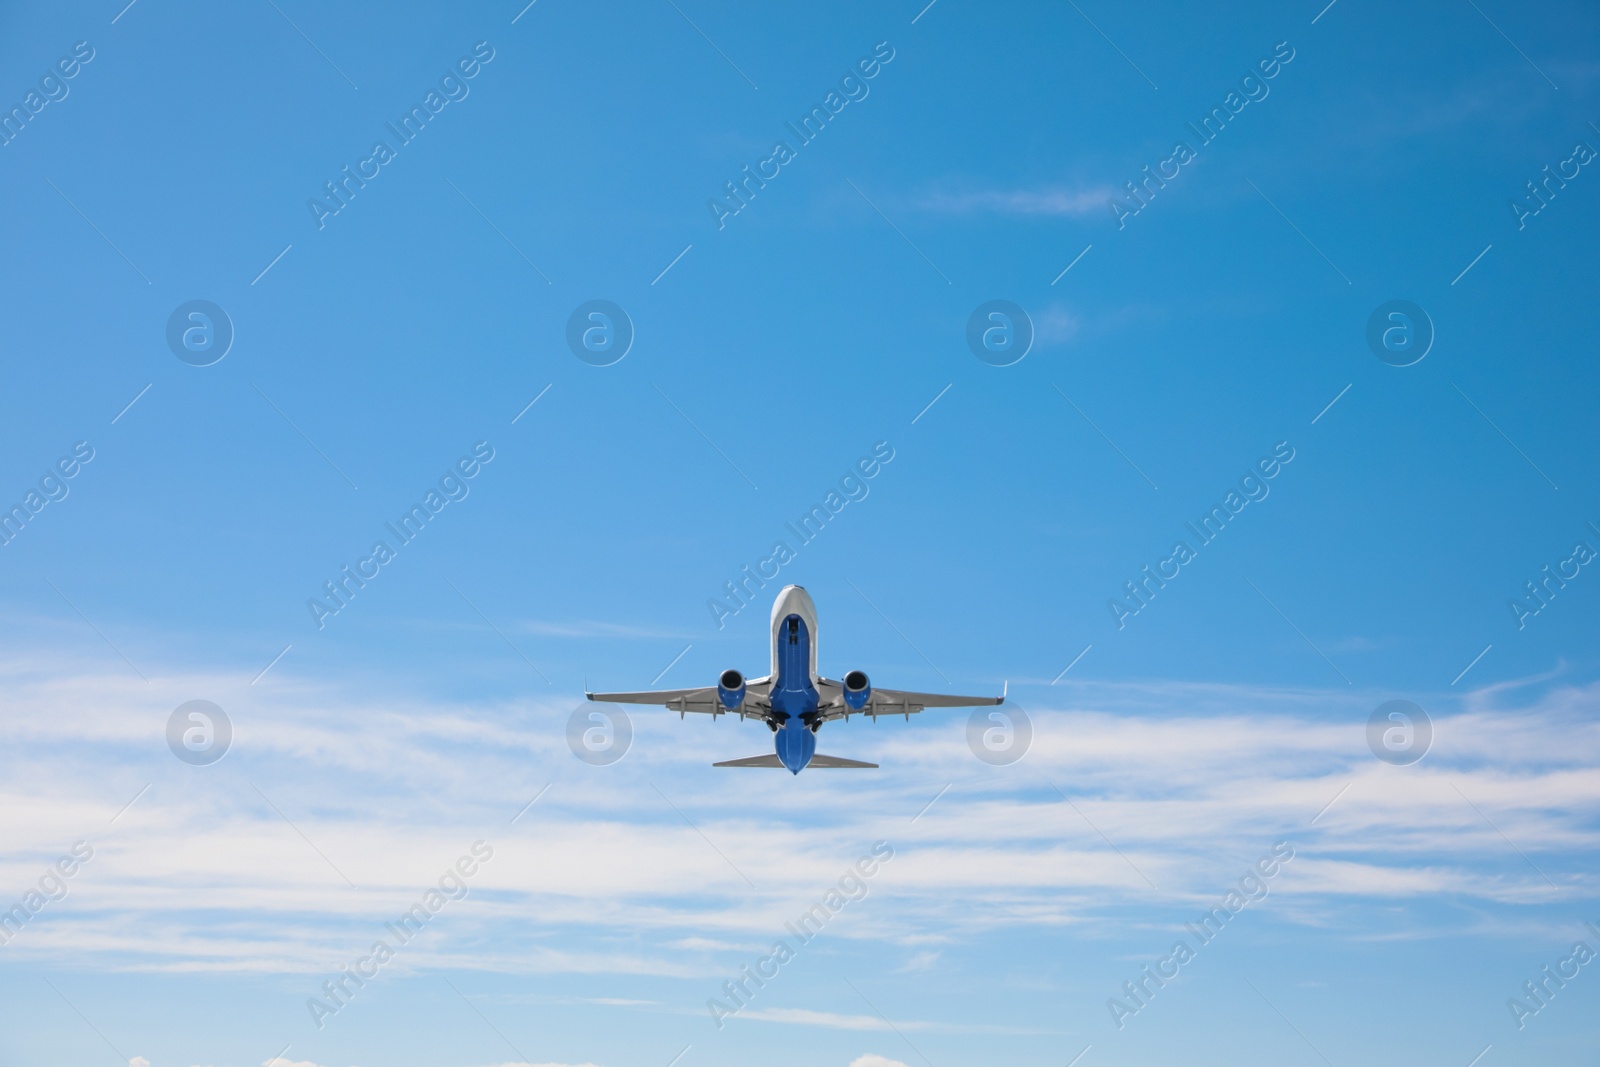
x=794, y=600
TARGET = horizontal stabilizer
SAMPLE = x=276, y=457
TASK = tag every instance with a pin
x=820, y=760
x=771, y=760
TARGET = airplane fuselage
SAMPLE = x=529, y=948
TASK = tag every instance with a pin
x=794, y=693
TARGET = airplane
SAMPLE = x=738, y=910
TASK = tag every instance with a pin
x=794, y=700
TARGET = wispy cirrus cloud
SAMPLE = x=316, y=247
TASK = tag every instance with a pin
x=833, y=1020
x=1055, y=325
x=1047, y=201
x=280, y=1062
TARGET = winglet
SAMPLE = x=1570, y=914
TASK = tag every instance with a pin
x=1005, y=687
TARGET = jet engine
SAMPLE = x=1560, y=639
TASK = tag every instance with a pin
x=857, y=690
x=730, y=690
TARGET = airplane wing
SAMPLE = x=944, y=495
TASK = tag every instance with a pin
x=703, y=700
x=893, y=702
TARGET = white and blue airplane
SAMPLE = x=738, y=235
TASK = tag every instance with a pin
x=794, y=700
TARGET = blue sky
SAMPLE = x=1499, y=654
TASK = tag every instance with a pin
x=1221, y=325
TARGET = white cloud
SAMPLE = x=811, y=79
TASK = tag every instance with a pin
x=1055, y=325
x=922, y=961
x=830, y=1019
x=585, y=628
x=708, y=944
x=872, y=1059
x=138, y=1061
x=1048, y=200
x=1189, y=781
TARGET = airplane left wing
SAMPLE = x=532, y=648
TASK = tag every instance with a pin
x=704, y=701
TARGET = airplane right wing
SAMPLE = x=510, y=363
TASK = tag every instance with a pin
x=895, y=702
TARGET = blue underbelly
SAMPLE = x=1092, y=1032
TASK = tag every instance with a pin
x=793, y=693
x=793, y=696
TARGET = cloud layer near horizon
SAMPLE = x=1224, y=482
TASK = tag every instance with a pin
x=335, y=813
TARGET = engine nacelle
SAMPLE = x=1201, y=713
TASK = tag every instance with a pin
x=730, y=690
x=857, y=690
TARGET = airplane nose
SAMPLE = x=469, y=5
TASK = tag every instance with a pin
x=792, y=600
